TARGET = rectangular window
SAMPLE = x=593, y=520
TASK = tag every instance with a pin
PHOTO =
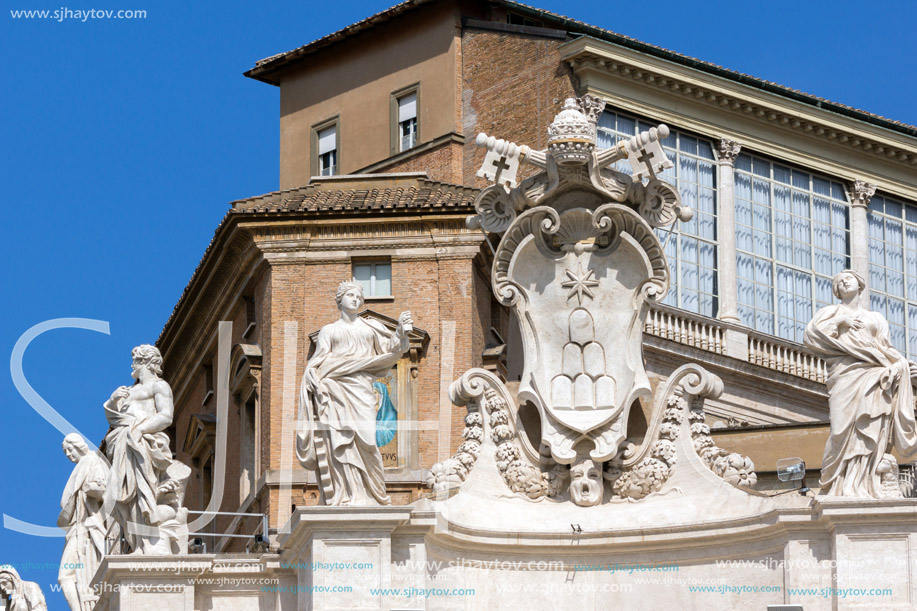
x=405, y=118
x=328, y=151
x=407, y=121
x=376, y=278
x=792, y=236
x=690, y=247
x=893, y=268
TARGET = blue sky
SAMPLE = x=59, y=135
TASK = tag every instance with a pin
x=124, y=141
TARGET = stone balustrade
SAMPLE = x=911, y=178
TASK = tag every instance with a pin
x=720, y=337
x=685, y=328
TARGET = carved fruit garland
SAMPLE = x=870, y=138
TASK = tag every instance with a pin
x=520, y=476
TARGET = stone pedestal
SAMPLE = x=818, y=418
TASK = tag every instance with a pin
x=865, y=558
x=346, y=556
x=193, y=582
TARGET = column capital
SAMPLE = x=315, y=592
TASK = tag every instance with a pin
x=727, y=150
x=860, y=192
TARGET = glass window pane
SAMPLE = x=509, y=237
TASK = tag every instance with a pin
x=362, y=273
x=383, y=279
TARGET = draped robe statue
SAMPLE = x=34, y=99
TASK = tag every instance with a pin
x=81, y=514
x=141, y=489
x=870, y=395
x=21, y=595
x=337, y=406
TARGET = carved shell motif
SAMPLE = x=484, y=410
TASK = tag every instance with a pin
x=495, y=209
x=660, y=201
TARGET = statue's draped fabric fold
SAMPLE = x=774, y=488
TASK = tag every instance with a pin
x=870, y=398
x=337, y=402
x=137, y=468
x=81, y=505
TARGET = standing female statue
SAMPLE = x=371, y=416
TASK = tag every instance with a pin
x=81, y=514
x=337, y=403
x=870, y=395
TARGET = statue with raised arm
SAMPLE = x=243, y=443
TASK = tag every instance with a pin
x=19, y=595
x=81, y=514
x=870, y=395
x=337, y=405
x=141, y=488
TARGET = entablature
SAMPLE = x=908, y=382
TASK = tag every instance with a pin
x=763, y=122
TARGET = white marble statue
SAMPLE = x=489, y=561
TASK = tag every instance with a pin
x=145, y=483
x=869, y=392
x=19, y=595
x=337, y=405
x=81, y=514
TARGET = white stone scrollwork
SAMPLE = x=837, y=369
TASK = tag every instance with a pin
x=489, y=415
x=661, y=204
x=619, y=220
x=495, y=209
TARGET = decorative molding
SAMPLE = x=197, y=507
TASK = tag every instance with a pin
x=739, y=105
x=727, y=151
x=820, y=139
x=860, y=192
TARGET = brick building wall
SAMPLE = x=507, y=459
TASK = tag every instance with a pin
x=513, y=85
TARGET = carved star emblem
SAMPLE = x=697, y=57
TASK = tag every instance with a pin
x=580, y=283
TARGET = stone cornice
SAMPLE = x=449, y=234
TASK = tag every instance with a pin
x=225, y=273
x=731, y=106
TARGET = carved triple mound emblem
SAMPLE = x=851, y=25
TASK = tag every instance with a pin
x=577, y=264
x=583, y=383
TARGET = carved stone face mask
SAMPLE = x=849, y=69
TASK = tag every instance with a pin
x=586, y=485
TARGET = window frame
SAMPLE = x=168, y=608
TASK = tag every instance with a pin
x=373, y=262
x=315, y=168
x=907, y=221
x=672, y=238
x=395, y=124
x=771, y=261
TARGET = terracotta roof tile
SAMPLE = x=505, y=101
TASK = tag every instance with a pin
x=347, y=194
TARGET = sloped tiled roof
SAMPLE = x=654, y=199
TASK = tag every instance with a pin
x=362, y=193
x=354, y=194
x=267, y=69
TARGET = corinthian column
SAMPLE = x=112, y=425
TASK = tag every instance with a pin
x=726, y=153
x=859, y=194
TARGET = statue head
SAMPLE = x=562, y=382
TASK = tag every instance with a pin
x=586, y=487
x=353, y=291
x=75, y=447
x=8, y=580
x=147, y=356
x=842, y=278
